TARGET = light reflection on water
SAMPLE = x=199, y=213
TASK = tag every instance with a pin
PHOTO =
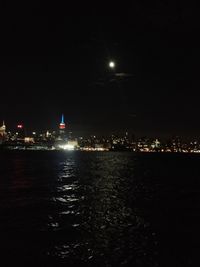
x=93, y=214
x=99, y=209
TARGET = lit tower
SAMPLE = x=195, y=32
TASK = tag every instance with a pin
x=62, y=127
x=2, y=133
x=20, y=132
x=3, y=130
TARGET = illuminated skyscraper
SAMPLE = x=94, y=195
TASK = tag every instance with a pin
x=3, y=130
x=2, y=133
x=62, y=127
x=20, y=132
x=62, y=123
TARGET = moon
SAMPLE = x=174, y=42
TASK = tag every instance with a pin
x=112, y=64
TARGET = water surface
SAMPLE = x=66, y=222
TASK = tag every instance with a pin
x=99, y=209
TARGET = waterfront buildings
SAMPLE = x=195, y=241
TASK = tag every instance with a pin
x=64, y=140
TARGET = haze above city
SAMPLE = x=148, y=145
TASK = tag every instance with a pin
x=53, y=63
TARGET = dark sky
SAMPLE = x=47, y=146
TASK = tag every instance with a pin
x=55, y=59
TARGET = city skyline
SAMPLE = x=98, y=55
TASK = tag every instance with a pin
x=86, y=130
x=100, y=134
x=63, y=139
x=60, y=63
x=66, y=130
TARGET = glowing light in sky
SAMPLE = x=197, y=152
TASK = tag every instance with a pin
x=111, y=64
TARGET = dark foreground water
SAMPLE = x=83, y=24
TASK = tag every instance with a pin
x=99, y=209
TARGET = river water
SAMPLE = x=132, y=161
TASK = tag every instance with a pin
x=99, y=209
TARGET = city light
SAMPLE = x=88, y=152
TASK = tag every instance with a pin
x=64, y=140
x=67, y=147
x=62, y=126
x=62, y=123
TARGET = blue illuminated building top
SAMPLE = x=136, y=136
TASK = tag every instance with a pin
x=62, y=120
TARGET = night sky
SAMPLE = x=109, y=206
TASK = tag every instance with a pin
x=55, y=60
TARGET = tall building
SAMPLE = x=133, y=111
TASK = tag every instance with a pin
x=2, y=132
x=62, y=127
x=20, y=133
